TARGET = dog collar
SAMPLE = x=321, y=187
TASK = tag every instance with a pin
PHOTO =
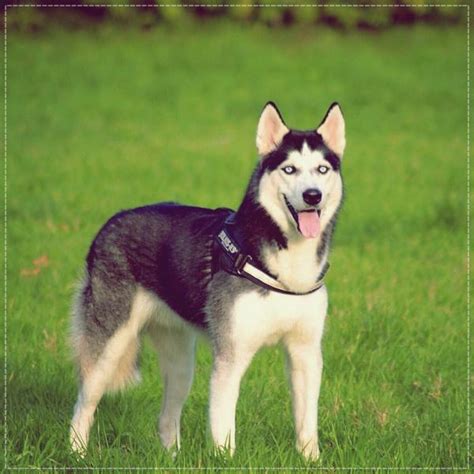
x=241, y=264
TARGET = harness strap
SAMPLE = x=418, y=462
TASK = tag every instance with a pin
x=241, y=265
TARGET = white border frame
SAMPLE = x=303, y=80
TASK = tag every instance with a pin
x=468, y=232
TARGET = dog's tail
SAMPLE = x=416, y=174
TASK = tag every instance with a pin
x=90, y=346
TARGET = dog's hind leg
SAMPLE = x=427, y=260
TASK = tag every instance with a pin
x=176, y=351
x=106, y=363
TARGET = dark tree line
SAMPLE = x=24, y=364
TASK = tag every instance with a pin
x=149, y=13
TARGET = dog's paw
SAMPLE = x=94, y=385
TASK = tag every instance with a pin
x=223, y=451
x=77, y=444
x=168, y=430
x=309, y=450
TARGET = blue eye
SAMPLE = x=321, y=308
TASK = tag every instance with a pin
x=323, y=169
x=289, y=169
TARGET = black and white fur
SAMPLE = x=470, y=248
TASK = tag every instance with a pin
x=150, y=270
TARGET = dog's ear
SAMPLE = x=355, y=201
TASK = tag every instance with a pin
x=333, y=129
x=270, y=130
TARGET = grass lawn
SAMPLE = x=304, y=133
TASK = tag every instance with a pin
x=102, y=120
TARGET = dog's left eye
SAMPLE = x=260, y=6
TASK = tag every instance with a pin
x=289, y=169
x=323, y=169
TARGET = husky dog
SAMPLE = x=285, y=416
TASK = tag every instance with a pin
x=247, y=279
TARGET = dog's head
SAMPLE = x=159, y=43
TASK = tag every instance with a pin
x=301, y=184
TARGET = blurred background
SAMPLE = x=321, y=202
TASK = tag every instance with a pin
x=109, y=108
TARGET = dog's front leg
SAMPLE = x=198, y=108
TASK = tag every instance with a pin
x=227, y=372
x=305, y=365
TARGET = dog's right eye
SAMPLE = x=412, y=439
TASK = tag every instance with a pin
x=289, y=169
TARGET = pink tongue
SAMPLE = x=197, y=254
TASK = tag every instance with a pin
x=309, y=224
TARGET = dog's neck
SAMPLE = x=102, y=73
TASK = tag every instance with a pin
x=294, y=260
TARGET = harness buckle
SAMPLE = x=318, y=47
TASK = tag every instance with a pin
x=240, y=262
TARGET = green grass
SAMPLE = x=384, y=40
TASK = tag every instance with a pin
x=104, y=120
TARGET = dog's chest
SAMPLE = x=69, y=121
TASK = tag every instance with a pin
x=265, y=319
x=296, y=266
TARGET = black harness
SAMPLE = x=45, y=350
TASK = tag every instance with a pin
x=229, y=256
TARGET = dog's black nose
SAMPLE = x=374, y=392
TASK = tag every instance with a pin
x=312, y=196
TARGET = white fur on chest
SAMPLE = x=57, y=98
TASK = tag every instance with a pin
x=259, y=320
x=296, y=266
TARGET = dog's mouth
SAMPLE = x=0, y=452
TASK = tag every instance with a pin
x=307, y=220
